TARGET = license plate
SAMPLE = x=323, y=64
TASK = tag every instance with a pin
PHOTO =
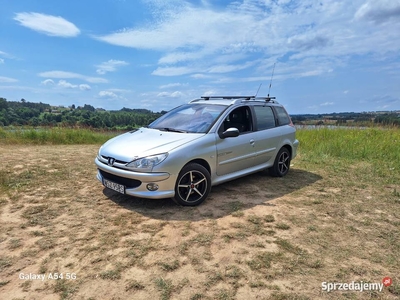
x=114, y=186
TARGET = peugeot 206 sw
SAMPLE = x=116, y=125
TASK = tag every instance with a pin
x=195, y=146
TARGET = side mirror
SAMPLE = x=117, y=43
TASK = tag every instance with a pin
x=230, y=132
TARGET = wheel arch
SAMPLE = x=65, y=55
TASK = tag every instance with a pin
x=201, y=162
x=289, y=148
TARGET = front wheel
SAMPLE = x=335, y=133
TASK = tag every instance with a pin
x=193, y=185
x=282, y=163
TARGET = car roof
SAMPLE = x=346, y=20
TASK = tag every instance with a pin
x=230, y=100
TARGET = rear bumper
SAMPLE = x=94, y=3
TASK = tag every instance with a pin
x=294, y=149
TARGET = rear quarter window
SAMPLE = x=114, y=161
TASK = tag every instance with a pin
x=283, y=117
x=265, y=117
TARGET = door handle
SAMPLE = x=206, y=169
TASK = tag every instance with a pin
x=252, y=142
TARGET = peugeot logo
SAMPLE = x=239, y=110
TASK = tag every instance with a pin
x=111, y=161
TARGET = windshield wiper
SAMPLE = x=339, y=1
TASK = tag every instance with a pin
x=171, y=130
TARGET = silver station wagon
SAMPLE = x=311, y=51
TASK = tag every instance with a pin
x=195, y=146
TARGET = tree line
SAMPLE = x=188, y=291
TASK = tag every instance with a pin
x=388, y=119
x=24, y=113
x=349, y=118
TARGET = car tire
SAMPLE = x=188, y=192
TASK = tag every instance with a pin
x=193, y=185
x=282, y=163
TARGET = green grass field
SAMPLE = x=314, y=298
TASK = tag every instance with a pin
x=378, y=147
x=333, y=218
x=52, y=136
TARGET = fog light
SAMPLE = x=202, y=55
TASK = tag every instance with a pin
x=152, y=187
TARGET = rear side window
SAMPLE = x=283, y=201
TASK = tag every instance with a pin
x=283, y=117
x=265, y=117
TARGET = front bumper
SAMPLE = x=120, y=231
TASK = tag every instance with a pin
x=138, y=181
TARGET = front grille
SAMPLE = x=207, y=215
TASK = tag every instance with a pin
x=117, y=161
x=129, y=183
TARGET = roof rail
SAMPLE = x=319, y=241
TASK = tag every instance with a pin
x=247, y=98
x=227, y=97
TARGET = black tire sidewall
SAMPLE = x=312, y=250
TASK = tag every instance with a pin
x=275, y=169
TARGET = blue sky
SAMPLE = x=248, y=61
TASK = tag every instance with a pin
x=329, y=56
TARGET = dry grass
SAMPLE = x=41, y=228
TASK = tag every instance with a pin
x=255, y=238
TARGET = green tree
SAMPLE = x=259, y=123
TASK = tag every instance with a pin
x=3, y=103
x=88, y=107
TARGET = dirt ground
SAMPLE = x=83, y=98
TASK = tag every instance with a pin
x=254, y=238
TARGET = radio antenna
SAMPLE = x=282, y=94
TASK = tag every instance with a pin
x=258, y=90
x=270, y=83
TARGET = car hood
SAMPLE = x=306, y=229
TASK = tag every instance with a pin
x=144, y=142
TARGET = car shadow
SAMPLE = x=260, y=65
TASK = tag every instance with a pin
x=223, y=200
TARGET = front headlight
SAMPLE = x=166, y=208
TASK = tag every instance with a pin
x=146, y=164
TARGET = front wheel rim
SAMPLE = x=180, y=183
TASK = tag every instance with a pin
x=192, y=186
x=283, y=163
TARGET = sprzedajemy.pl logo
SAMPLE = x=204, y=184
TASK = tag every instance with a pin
x=359, y=286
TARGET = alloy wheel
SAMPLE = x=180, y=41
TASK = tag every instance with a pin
x=192, y=186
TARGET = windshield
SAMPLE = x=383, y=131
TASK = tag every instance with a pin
x=194, y=118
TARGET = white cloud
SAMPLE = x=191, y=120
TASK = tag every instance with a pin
x=163, y=94
x=110, y=66
x=66, y=84
x=67, y=75
x=6, y=55
x=7, y=79
x=379, y=11
x=47, y=24
x=230, y=68
x=84, y=87
x=196, y=39
x=184, y=26
x=176, y=94
x=313, y=73
x=171, y=71
x=209, y=93
x=170, y=85
x=327, y=103
x=47, y=82
x=107, y=95
x=175, y=57
x=200, y=76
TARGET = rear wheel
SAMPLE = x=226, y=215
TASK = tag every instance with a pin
x=193, y=185
x=282, y=163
